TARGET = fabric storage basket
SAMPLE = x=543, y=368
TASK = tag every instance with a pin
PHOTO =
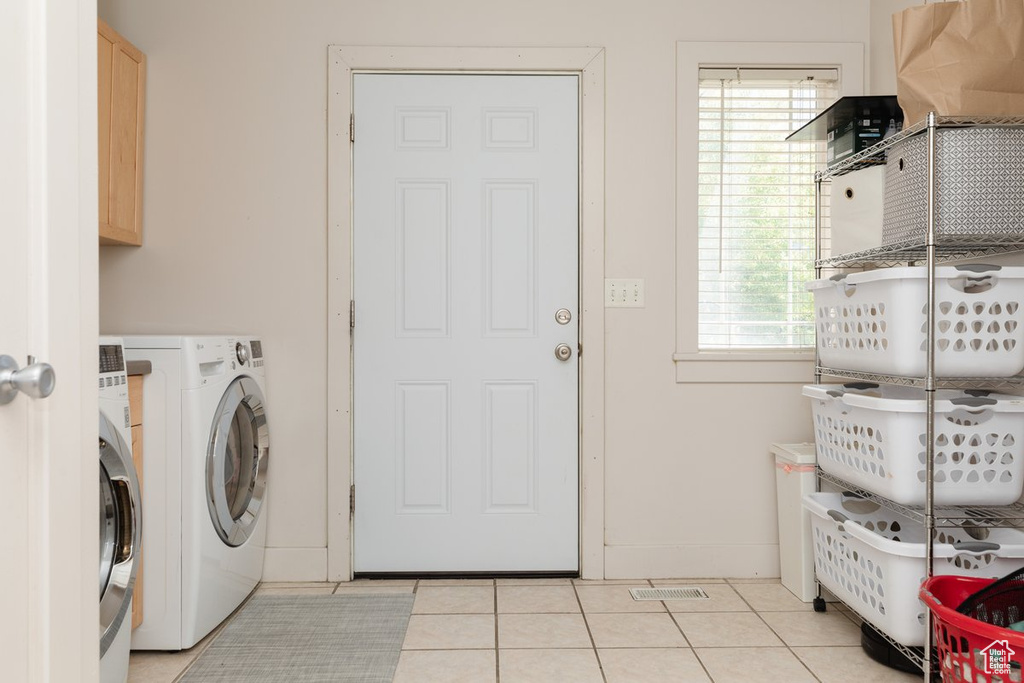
x=855, y=208
x=874, y=437
x=979, y=184
x=876, y=321
x=873, y=559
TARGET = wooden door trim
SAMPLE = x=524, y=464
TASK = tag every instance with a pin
x=588, y=63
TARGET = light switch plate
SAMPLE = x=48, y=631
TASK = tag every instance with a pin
x=624, y=293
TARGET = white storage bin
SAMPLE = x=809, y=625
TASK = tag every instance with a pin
x=856, y=210
x=873, y=559
x=876, y=321
x=795, y=477
x=874, y=437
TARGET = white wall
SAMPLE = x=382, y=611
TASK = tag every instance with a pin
x=235, y=165
x=883, y=65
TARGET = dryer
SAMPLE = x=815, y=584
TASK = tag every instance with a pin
x=120, y=514
x=207, y=449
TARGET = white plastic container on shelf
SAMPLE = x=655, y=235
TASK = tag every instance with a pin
x=876, y=321
x=873, y=559
x=855, y=208
x=874, y=437
x=795, y=477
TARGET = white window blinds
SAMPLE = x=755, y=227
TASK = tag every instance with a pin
x=756, y=205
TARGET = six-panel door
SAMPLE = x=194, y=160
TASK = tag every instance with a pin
x=466, y=246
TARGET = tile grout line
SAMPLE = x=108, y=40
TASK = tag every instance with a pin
x=783, y=640
x=650, y=582
x=528, y=648
x=590, y=634
x=672, y=616
x=408, y=623
x=497, y=654
x=460, y=649
x=454, y=613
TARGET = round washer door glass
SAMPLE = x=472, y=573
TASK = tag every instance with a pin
x=120, y=531
x=236, y=463
x=109, y=519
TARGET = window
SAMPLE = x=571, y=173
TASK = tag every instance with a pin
x=755, y=206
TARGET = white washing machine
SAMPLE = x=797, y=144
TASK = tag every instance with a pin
x=206, y=448
x=120, y=514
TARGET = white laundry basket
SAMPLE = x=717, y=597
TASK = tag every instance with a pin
x=876, y=321
x=873, y=559
x=874, y=437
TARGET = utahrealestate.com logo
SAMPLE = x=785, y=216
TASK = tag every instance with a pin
x=997, y=657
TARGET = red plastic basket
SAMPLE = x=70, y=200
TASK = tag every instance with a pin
x=970, y=651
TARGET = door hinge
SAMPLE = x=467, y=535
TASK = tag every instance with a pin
x=352, y=314
x=579, y=350
x=352, y=128
x=352, y=500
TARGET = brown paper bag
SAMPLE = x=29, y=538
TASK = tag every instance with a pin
x=960, y=59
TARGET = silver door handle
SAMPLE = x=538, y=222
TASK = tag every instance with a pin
x=563, y=352
x=35, y=380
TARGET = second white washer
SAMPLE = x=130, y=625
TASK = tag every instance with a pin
x=120, y=514
x=206, y=450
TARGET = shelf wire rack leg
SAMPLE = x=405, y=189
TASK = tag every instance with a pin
x=817, y=270
x=929, y=505
x=820, y=600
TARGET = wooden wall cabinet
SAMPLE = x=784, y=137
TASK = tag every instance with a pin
x=122, y=96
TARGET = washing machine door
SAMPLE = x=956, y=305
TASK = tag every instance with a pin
x=120, y=531
x=236, y=462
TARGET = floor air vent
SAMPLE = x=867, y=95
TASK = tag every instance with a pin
x=681, y=593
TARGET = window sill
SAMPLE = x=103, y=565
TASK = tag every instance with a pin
x=745, y=367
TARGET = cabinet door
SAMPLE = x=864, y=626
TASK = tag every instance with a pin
x=122, y=87
x=105, y=55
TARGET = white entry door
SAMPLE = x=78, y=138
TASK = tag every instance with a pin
x=466, y=248
x=49, y=489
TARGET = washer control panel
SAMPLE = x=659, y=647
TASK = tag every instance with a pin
x=257, y=353
x=111, y=358
x=112, y=368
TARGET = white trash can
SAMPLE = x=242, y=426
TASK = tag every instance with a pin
x=795, y=478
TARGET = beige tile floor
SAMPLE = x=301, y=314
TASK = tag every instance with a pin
x=569, y=631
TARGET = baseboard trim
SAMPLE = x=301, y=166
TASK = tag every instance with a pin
x=691, y=561
x=295, y=564
x=621, y=562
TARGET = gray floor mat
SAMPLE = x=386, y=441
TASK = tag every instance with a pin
x=306, y=638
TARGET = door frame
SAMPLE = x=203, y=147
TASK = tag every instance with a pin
x=343, y=62
x=50, y=628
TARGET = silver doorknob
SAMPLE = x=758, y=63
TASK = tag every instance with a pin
x=563, y=352
x=35, y=380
